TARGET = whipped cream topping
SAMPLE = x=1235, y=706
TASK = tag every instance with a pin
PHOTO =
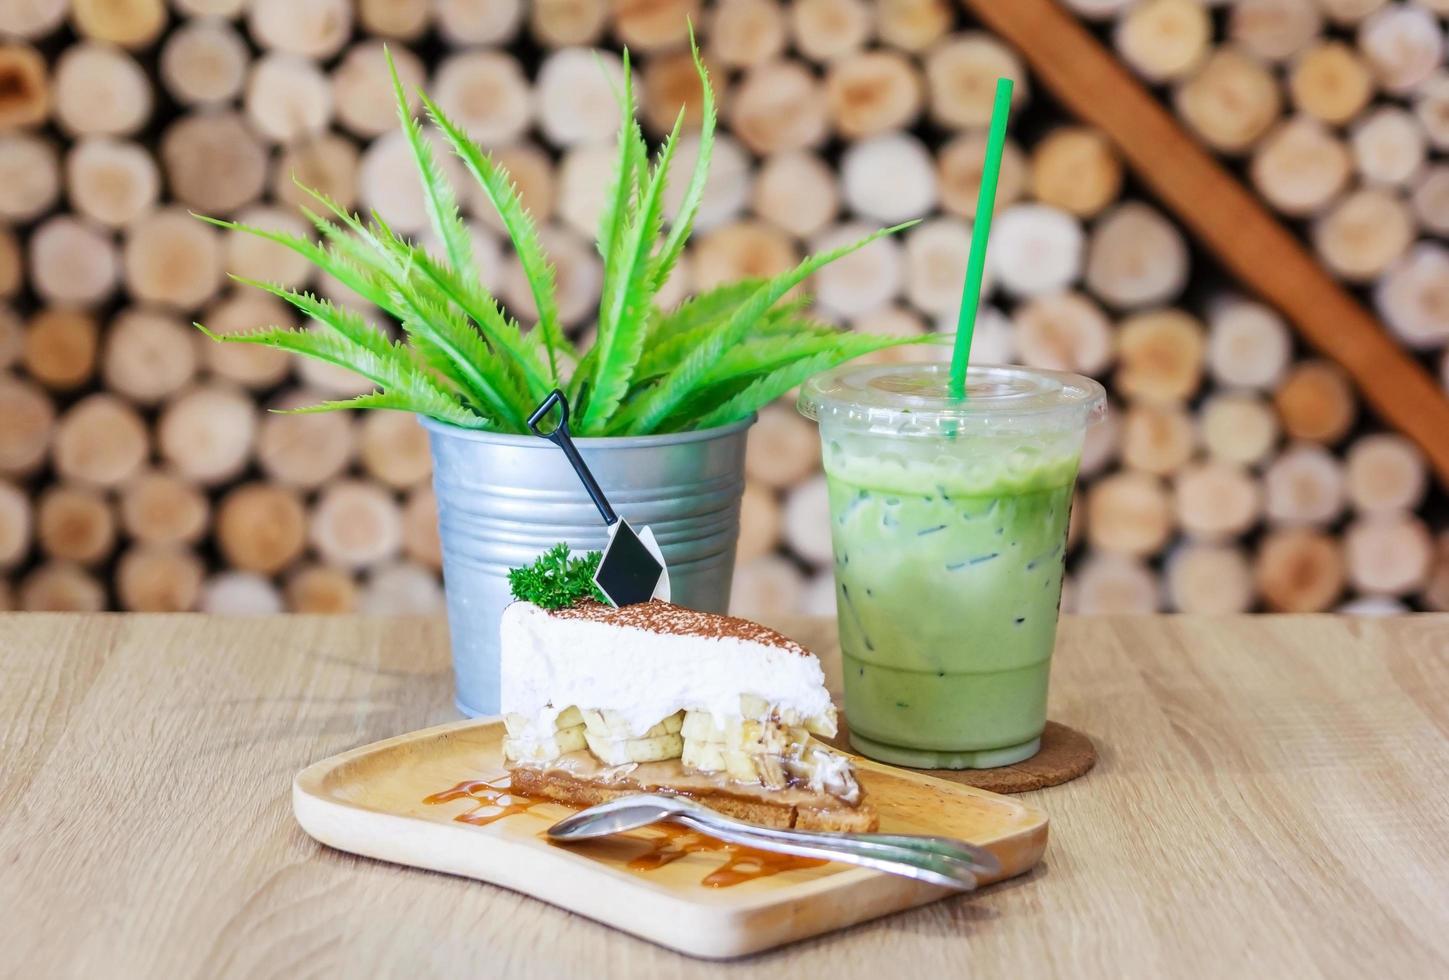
x=613, y=659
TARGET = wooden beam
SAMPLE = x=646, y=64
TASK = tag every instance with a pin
x=1249, y=241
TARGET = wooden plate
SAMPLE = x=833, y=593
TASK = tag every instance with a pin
x=370, y=801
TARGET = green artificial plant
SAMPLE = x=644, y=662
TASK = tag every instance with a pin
x=711, y=360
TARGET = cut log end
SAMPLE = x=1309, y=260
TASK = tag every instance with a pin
x=100, y=441
x=394, y=449
x=1230, y=101
x=29, y=420
x=1160, y=356
x=1164, y=39
x=1304, y=486
x=24, y=87
x=355, y=525
x=240, y=594
x=827, y=29
x=1299, y=570
x=206, y=434
x=261, y=527
x=1213, y=580
x=1076, y=169
x=1136, y=258
x=61, y=587
x=163, y=509
x=1128, y=513
x=779, y=106
x=159, y=578
x=1388, y=554
x=75, y=524
x=305, y=450
x=400, y=589
x=783, y=448
x=1316, y=402
x=1116, y=584
x=321, y=589
x=60, y=348
x=1386, y=473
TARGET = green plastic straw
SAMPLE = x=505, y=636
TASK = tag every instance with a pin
x=976, y=262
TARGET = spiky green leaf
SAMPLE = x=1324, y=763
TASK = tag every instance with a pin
x=623, y=320
x=452, y=346
x=632, y=157
x=391, y=369
x=761, y=355
x=766, y=389
x=498, y=186
x=703, y=308
x=343, y=267
x=645, y=414
x=438, y=197
x=667, y=349
x=346, y=323
x=765, y=355
x=395, y=401
x=501, y=331
x=683, y=223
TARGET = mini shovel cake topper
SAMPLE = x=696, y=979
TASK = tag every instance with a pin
x=632, y=569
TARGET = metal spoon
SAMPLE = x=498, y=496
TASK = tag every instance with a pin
x=937, y=860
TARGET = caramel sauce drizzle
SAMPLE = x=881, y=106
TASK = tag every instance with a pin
x=494, y=798
x=671, y=843
x=667, y=843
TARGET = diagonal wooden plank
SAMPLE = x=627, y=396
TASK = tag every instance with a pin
x=1249, y=241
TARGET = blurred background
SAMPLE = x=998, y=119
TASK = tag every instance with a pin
x=140, y=469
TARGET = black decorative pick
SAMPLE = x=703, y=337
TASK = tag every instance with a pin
x=632, y=569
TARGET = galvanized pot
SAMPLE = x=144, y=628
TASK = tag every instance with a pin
x=505, y=499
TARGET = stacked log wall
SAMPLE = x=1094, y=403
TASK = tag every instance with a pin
x=141, y=466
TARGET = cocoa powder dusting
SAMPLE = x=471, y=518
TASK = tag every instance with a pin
x=656, y=616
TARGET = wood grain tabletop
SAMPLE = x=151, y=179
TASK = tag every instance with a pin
x=1271, y=801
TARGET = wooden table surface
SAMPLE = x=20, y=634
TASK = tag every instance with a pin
x=1270, y=801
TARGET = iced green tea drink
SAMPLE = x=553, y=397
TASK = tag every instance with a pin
x=949, y=521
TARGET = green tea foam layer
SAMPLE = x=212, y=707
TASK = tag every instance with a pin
x=980, y=470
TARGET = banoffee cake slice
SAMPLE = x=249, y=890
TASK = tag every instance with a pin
x=601, y=702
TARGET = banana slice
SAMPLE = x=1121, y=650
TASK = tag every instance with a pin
x=524, y=749
x=518, y=725
x=618, y=752
x=614, y=726
x=754, y=707
x=701, y=726
x=703, y=756
x=823, y=724
x=570, y=739
x=605, y=724
x=740, y=766
x=762, y=737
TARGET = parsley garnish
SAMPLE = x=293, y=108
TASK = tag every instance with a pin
x=557, y=580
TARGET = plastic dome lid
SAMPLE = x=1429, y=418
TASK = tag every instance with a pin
x=915, y=399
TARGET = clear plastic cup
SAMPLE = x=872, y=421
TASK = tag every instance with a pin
x=949, y=522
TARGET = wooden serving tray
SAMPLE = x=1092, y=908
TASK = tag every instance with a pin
x=370, y=801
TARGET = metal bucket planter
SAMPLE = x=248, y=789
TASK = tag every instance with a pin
x=504, y=499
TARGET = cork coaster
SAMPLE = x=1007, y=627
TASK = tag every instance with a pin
x=1065, y=754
